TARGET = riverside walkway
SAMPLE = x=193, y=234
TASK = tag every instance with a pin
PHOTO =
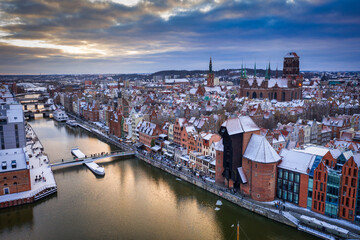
x=93, y=158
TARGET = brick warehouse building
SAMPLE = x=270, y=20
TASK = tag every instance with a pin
x=286, y=88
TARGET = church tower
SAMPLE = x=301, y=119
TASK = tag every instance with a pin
x=291, y=66
x=210, y=79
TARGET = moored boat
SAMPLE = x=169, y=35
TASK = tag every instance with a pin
x=60, y=115
x=72, y=123
x=95, y=168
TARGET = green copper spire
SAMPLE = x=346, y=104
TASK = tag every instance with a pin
x=266, y=73
x=269, y=70
x=245, y=72
x=210, y=66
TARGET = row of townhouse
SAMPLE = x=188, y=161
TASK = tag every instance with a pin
x=305, y=132
x=321, y=179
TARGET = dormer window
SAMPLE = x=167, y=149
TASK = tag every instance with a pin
x=13, y=163
x=3, y=165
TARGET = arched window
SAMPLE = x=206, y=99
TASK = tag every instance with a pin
x=283, y=96
x=275, y=95
x=254, y=95
x=269, y=96
x=261, y=95
x=247, y=94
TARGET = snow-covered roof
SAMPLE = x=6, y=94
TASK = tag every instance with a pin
x=335, y=153
x=259, y=150
x=239, y=125
x=13, y=159
x=180, y=80
x=296, y=161
x=219, y=146
x=314, y=149
x=291, y=55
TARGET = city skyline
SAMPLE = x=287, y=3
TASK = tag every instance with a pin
x=66, y=37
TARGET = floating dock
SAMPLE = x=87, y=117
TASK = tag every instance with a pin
x=77, y=153
x=95, y=168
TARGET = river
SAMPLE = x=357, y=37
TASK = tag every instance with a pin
x=133, y=201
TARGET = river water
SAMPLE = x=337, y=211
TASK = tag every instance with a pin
x=133, y=201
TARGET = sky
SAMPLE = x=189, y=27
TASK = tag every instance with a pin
x=144, y=36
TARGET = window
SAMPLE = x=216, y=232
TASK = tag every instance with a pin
x=296, y=198
x=297, y=177
x=296, y=188
x=3, y=165
x=291, y=176
x=280, y=173
x=290, y=197
x=285, y=174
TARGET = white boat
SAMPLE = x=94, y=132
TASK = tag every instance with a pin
x=60, y=116
x=95, y=168
x=77, y=153
x=72, y=123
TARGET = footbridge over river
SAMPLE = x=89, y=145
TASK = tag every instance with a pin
x=94, y=157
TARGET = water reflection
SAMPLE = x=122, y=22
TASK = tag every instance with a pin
x=15, y=218
x=132, y=201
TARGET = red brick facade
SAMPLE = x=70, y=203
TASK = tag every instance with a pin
x=261, y=180
x=303, y=192
x=319, y=188
x=219, y=168
x=15, y=181
x=348, y=190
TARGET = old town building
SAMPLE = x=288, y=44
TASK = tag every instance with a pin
x=236, y=133
x=258, y=171
x=286, y=88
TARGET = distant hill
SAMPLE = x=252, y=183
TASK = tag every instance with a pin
x=184, y=73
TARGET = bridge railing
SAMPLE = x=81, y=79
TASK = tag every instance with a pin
x=94, y=157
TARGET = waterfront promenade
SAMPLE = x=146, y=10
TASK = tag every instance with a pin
x=289, y=217
x=41, y=176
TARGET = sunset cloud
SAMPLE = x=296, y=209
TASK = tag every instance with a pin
x=145, y=36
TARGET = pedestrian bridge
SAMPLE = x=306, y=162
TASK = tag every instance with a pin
x=93, y=158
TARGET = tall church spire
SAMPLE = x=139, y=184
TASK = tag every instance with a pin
x=255, y=70
x=210, y=66
x=242, y=71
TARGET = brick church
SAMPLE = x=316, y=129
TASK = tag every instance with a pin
x=286, y=88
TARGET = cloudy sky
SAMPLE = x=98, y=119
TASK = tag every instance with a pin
x=126, y=36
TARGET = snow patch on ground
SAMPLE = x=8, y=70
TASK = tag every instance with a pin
x=217, y=209
x=219, y=203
